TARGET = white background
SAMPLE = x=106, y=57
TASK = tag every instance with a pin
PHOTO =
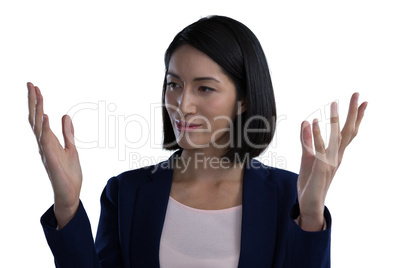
x=111, y=52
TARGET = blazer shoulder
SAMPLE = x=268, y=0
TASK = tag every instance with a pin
x=283, y=176
x=284, y=179
x=130, y=179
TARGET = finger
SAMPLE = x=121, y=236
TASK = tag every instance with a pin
x=45, y=127
x=31, y=103
x=47, y=140
x=68, y=132
x=45, y=144
x=359, y=118
x=41, y=143
x=307, y=160
x=38, y=113
x=349, y=127
x=318, y=141
x=306, y=138
x=335, y=137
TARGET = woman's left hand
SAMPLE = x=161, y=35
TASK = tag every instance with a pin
x=318, y=169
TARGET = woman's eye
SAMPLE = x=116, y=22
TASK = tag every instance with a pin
x=206, y=89
x=173, y=85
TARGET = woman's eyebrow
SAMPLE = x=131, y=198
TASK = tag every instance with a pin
x=195, y=79
x=206, y=78
x=174, y=75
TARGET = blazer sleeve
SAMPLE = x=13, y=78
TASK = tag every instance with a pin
x=308, y=249
x=73, y=245
x=296, y=247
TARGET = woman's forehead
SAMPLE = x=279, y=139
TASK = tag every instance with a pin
x=188, y=61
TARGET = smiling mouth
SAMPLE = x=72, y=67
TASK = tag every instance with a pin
x=185, y=127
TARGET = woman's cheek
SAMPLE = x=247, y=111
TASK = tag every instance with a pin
x=170, y=102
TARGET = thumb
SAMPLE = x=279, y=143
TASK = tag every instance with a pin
x=68, y=132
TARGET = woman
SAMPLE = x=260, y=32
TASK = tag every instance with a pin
x=210, y=204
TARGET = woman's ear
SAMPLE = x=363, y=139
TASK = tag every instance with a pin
x=243, y=107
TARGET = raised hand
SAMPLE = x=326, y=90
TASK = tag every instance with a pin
x=318, y=168
x=62, y=164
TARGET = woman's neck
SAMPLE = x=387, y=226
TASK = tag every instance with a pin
x=206, y=166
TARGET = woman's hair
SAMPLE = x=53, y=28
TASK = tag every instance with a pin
x=239, y=53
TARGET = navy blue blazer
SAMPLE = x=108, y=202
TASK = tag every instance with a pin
x=133, y=208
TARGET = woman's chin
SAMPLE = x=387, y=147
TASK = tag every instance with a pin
x=192, y=146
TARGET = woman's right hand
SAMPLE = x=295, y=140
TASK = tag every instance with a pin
x=62, y=164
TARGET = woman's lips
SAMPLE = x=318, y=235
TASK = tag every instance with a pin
x=185, y=127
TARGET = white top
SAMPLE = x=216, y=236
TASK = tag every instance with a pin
x=200, y=238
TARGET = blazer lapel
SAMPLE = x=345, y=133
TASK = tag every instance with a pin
x=259, y=217
x=149, y=215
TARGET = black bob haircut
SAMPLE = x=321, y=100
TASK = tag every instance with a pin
x=236, y=49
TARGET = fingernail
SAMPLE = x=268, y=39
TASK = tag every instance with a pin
x=357, y=98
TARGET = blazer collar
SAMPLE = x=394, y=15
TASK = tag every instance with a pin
x=259, y=212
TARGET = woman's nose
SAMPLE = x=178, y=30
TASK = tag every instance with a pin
x=186, y=102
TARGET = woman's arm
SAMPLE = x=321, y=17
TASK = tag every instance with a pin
x=62, y=164
x=66, y=224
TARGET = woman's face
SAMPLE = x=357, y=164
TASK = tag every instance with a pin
x=200, y=100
